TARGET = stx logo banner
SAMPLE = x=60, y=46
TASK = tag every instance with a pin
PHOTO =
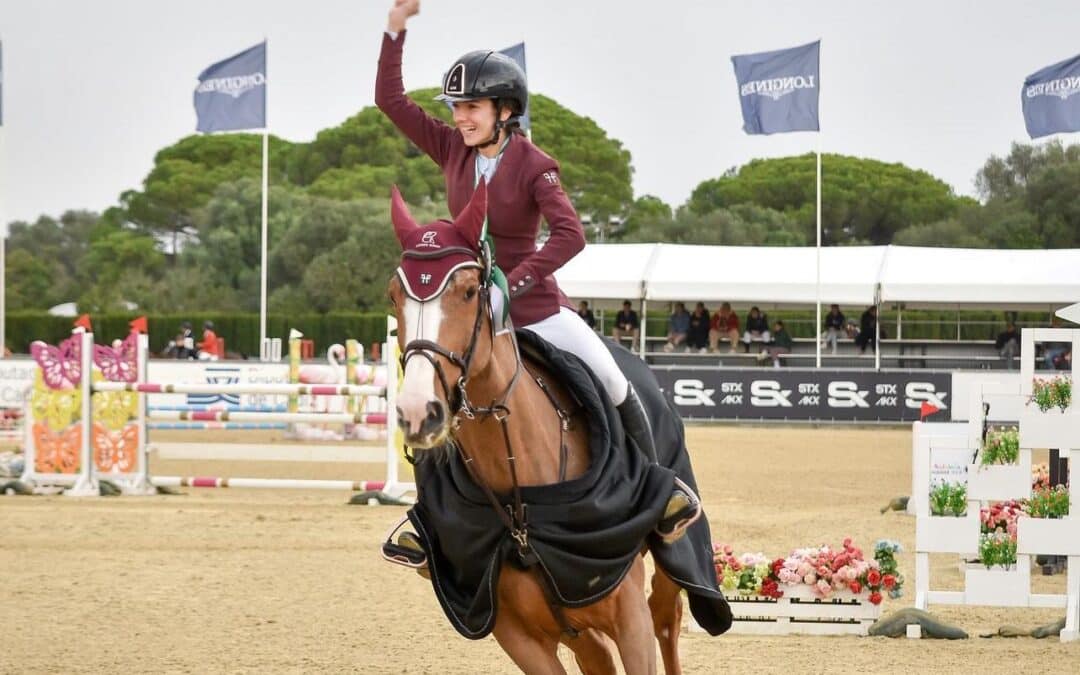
x=804, y=394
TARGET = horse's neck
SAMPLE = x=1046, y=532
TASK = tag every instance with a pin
x=533, y=427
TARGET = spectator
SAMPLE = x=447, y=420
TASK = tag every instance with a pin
x=626, y=324
x=208, y=348
x=757, y=328
x=586, y=314
x=724, y=326
x=678, y=327
x=698, y=335
x=1054, y=353
x=183, y=345
x=781, y=344
x=1008, y=343
x=867, y=336
x=833, y=327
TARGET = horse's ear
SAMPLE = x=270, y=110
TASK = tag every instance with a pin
x=400, y=216
x=470, y=222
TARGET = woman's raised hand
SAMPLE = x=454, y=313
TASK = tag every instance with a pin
x=400, y=13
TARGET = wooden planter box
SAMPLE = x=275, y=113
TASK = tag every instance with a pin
x=1051, y=536
x=998, y=482
x=948, y=534
x=998, y=587
x=799, y=612
x=1050, y=429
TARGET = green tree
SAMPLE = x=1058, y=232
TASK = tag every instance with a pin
x=863, y=200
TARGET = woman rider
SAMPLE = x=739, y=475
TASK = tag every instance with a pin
x=488, y=93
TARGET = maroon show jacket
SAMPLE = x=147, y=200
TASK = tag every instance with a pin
x=525, y=187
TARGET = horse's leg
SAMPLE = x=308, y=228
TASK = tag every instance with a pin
x=524, y=627
x=665, y=604
x=592, y=653
x=632, y=632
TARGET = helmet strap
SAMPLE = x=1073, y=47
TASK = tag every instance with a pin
x=499, y=126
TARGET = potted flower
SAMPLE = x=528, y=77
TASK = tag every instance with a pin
x=1053, y=393
x=1002, y=446
x=1045, y=531
x=948, y=499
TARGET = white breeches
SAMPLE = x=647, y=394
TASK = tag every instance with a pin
x=569, y=333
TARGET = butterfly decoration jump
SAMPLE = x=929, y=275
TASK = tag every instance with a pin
x=60, y=399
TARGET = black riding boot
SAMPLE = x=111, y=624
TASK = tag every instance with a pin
x=683, y=508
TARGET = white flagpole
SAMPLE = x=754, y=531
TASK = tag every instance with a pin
x=817, y=265
x=265, y=196
x=3, y=221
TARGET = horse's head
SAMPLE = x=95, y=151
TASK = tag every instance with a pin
x=440, y=296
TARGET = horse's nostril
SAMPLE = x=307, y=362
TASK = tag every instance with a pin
x=401, y=421
x=436, y=412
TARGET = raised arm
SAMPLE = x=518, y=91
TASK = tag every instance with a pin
x=429, y=134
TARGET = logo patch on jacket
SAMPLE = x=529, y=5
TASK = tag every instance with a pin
x=551, y=177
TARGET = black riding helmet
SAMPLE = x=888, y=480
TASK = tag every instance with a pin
x=488, y=74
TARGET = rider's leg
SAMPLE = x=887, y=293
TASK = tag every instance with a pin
x=568, y=332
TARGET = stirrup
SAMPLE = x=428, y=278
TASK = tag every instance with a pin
x=683, y=510
x=407, y=552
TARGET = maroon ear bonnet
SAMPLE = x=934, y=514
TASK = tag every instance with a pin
x=432, y=253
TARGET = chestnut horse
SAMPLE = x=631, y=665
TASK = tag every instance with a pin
x=465, y=381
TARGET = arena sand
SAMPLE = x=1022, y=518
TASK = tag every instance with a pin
x=232, y=581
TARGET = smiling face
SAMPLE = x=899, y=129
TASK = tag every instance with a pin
x=476, y=120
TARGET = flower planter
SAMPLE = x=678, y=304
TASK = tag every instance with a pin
x=1050, y=429
x=998, y=587
x=948, y=534
x=1051, y=536
x=998, y=482
x=800, y=612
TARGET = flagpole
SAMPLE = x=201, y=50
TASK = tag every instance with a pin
x=265, y=196
x=817, y=265
x=3, y=220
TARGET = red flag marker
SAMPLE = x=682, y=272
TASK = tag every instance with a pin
x=84, y=323
x=926, y=410
x=138, y=325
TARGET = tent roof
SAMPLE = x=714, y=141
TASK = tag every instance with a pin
x=785, y=276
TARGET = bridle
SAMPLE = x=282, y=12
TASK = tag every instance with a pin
x=457, y=396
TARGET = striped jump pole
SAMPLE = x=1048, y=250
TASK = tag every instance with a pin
x=217, y=482
x=216, y=426
x=292, y=418
x=279, y=389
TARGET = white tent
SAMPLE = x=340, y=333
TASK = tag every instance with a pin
x=1001, y=279
x=785, y=276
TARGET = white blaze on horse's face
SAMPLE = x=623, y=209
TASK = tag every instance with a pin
x=422, y=321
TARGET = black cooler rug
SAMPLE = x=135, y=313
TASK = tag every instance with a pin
x=585, y=532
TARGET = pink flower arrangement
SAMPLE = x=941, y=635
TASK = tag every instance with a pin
x=824, y=569
x=1001, y=516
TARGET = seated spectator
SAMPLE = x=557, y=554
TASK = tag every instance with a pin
x=1008, y=343
x=586, y=314
x=698, y=335
x=208, y=348
x=724, y=326
x=757, y=328
x=781, y=344
x=626, y=324
x=867, y=336
x=678, y=327
x=1054, y=352
x=833, y=327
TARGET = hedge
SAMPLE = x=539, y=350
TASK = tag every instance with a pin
x=241, y=331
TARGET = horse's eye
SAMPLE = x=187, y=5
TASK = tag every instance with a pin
x=470, y=293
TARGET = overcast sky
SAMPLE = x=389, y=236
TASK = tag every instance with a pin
x=93, y=89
